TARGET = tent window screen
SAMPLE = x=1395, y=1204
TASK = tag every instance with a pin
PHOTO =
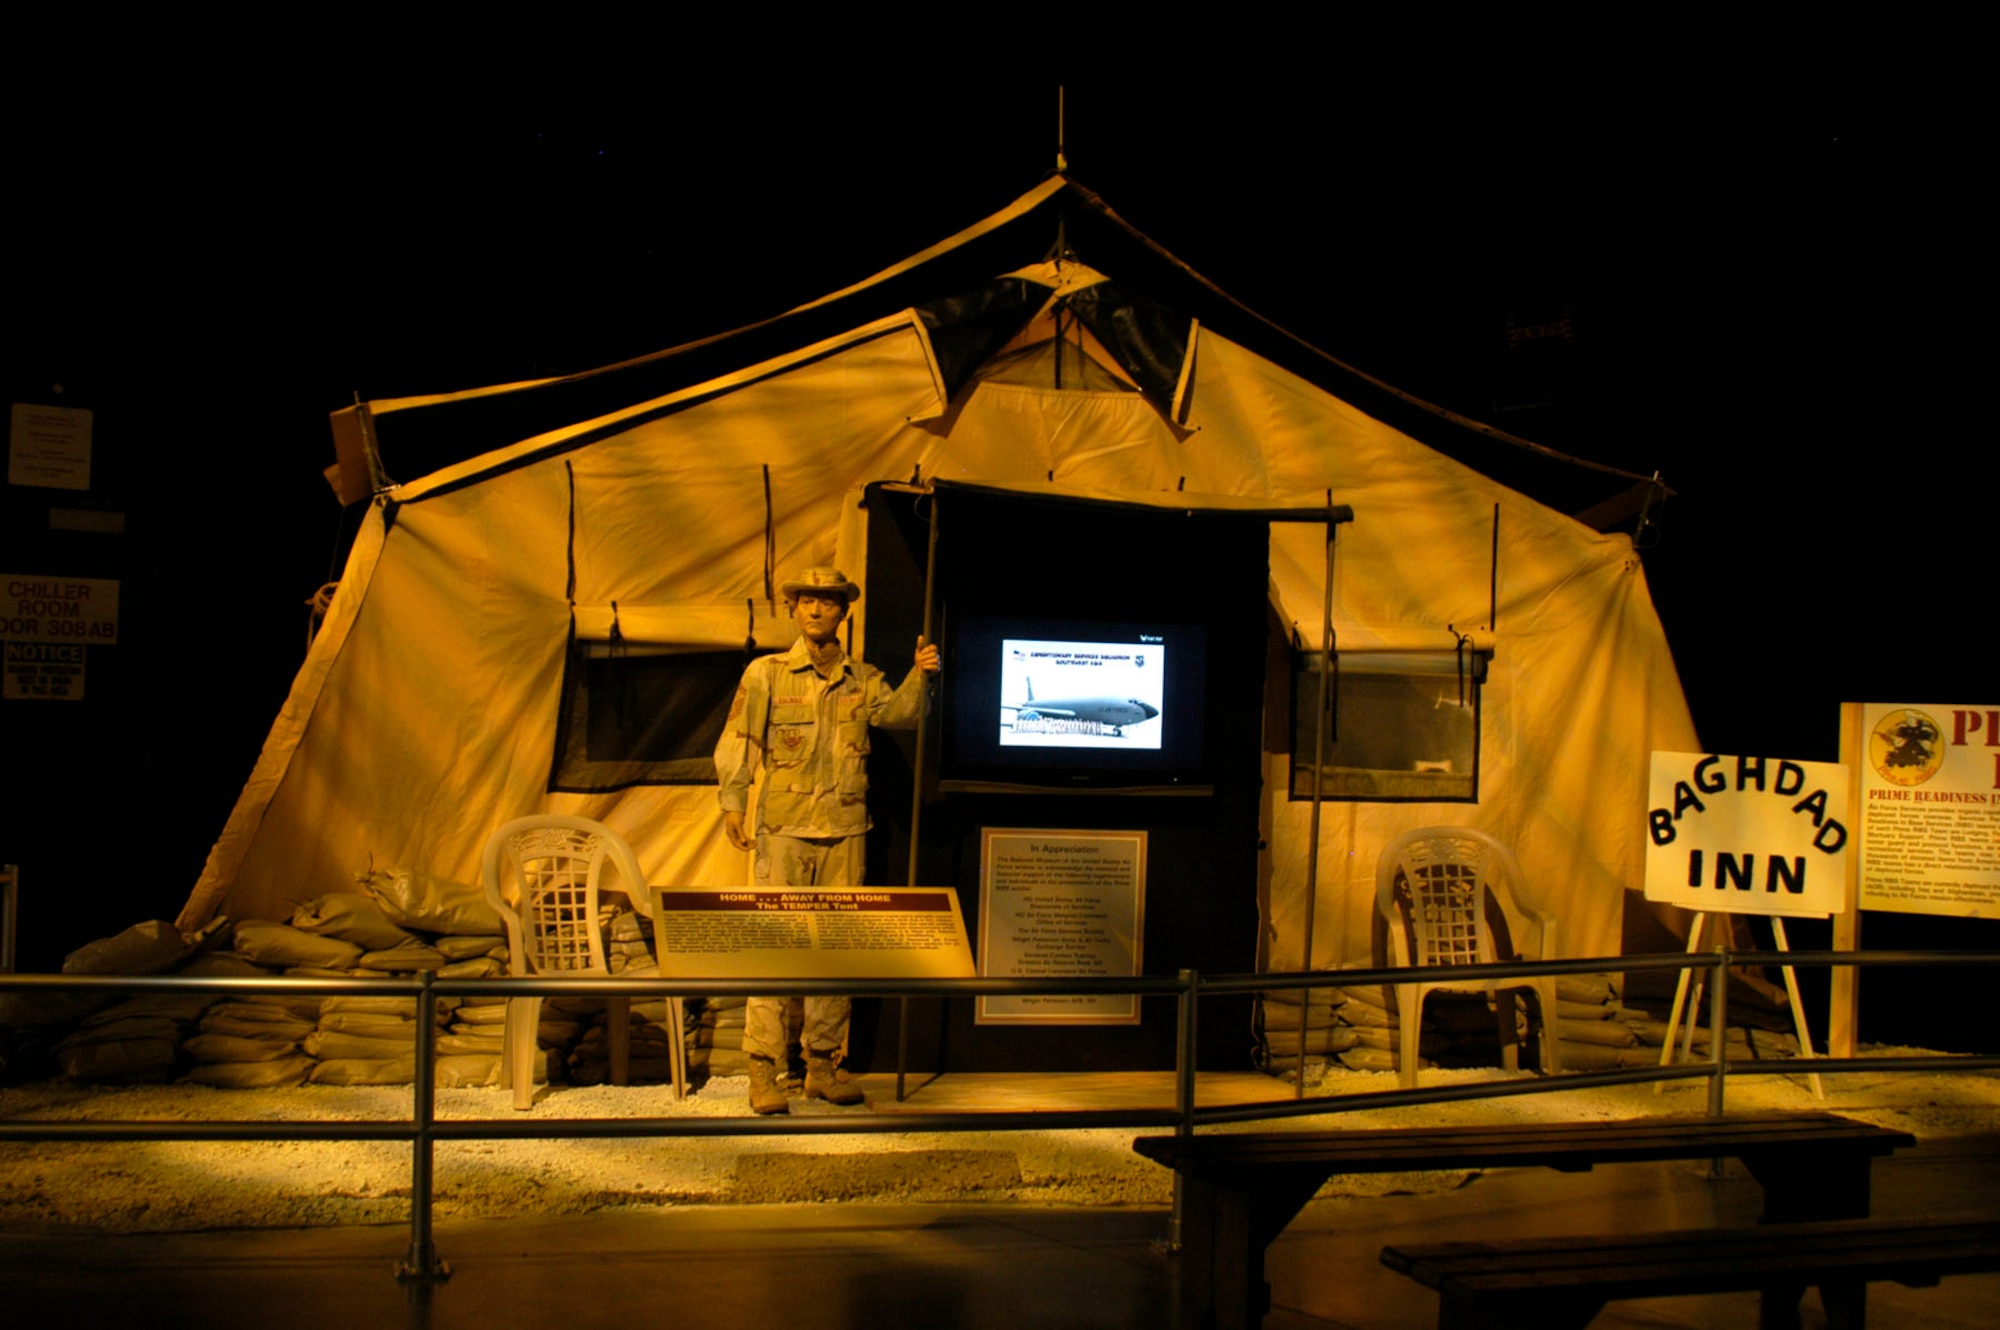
x=1406, y=726
x=641, y=716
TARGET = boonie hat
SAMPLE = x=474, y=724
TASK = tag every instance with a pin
x=824, y=581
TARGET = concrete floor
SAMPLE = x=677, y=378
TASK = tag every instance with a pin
x=804, y=1267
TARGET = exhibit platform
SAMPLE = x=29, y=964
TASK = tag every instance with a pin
x=808, y=1267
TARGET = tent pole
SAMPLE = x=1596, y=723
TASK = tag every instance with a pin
x=1327, y=676
x=917, y=784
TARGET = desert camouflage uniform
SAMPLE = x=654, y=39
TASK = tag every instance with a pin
x=810, y=734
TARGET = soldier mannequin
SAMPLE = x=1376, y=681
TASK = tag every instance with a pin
x=803, y=716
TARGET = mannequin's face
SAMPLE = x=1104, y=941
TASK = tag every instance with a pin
x=819, y=616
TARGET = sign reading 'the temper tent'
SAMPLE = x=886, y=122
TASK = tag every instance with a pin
x=1746, y=835
x=810, y=933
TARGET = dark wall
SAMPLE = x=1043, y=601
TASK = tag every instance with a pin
x=1021, y=556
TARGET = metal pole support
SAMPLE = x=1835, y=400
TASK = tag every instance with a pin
x=422, y=1264
x=1184, y=1064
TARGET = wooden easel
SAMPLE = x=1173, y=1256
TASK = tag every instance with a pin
x=1697, y=940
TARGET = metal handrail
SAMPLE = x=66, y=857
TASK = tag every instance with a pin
x=423, y=1129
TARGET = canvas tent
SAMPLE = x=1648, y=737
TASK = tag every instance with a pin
x=648, y=503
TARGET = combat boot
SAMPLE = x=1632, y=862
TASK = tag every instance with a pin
x=822, y=1082
x=765, y=1096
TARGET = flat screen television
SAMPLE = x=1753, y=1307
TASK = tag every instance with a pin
x=1088, y=705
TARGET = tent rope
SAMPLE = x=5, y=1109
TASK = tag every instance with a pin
x=770, y=546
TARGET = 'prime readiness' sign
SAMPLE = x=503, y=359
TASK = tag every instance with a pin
x=1746, y=835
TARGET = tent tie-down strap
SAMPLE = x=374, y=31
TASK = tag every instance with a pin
x=770, y=548
x=569, y=591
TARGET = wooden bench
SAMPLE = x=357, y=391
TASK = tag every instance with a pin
x=1558, y=1282
x=1240, y=1189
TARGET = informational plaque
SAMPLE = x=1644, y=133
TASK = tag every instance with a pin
x=49, y=446
x=810, y=933
x=1061, y=903
x=1930, y=809
x=1747, y=835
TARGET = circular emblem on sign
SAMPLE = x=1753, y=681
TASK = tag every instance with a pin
x=1906, y=747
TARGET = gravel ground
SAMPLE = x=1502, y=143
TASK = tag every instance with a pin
x=134, y=1187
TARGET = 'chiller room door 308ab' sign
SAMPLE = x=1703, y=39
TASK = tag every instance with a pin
x=1746, y=835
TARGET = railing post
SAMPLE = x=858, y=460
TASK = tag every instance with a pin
x=1184, y=1061
x=1718, y=1030
x=422, y=1263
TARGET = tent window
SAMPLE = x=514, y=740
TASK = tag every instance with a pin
x=1407, y=724
x=641, y=716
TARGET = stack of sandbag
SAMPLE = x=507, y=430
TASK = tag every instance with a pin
x=628, y=947
x=650, y=1050
x=249, y=1041
x=112, y=1039
x=1760, y=1017
x=1278, y=1037
x=475, y=1041
x=256, y=1040
x=715, y=1037
x=1369, y=1010
x=134, y=1040
x=1596, y=1030
x=1746, y=1043
x=406, y=924
x=628, y=941
x=373, y=1041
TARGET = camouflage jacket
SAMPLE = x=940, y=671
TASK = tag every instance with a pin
x=810, y=735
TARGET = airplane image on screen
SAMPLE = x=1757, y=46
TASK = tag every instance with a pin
x=1113, y=712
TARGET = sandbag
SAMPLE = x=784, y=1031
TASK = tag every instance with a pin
x=281, y=945
x=1603, y=1034
x=234, y=1048
x=225, y=965
x=153, y=947
x=166, y=1006
x=385, y=1006
x=1590, y=988
x=1382, y=997
x=120, y=1059
x=376, y=1025
x=410, y=958
x=366, y=1071
x=275, y=1075
x=467, y=1071
x=352, y=916
x=333, y=1046
x=1368, y=1016
x=465, y=948
x=433, y=904
x=1285, y=1043
x=285, y=1027
x=1374, y=1059
x=479, y=967
x=132, y=1027
x=462, y=1045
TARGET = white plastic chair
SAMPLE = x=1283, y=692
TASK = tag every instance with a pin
x=542, y=874
x=1431, y=889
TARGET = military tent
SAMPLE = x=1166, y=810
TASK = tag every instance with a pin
x=644, y=506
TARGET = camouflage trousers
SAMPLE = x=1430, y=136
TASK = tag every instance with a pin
x=785, y=861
